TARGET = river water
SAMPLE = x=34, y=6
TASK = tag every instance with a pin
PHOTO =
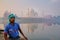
x=39, y=31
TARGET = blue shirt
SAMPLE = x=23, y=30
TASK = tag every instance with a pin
x=12, y=30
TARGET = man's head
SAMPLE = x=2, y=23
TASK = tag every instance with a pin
x=11, y=18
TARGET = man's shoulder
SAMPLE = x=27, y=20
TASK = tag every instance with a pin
x=7, y=26
x=17, y=23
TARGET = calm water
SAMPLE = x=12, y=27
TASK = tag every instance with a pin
x=40, y=31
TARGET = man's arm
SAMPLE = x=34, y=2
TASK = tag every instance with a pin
x=6, y=33
x=23, y=34
x=5, y=36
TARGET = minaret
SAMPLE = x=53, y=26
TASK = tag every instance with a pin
x=32, y=26
x=6, y=17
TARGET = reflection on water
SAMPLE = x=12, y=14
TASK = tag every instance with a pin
x=40, y=31
x=1, y=26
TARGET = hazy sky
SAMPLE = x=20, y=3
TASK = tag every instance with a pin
x=46, y=7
